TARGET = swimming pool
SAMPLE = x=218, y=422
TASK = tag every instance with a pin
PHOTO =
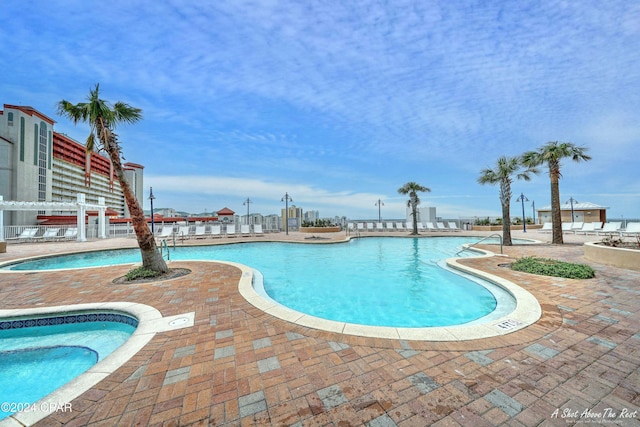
x=40, y=354
x=372, y=281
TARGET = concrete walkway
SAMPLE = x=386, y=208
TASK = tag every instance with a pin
x=239, y=366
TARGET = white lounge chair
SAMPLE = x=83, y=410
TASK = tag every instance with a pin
x=576, y=226
x=566, y=227
x=379, y=226
x=26, y=235
x=430, y=226
x=245, y=230
x=201, y=232
x=420, y=226
x=400, y=226
x=453, y=226
x=49, y=234
x=183, y=232
x=547, y=227
x=369, y=226
x=231, y=230
x=610, y=228
x=167, y=230
x=390, y=226
x=257, y=230
x=360, y=226
x=216, y=231
x=633, y=228
x=70, y=233
x=587, y=228
x=441, y=226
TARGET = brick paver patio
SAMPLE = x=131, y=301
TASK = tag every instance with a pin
x=240, y=366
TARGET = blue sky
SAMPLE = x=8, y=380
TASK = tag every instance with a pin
x=341, y=103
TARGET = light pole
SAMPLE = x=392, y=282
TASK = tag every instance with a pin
x=533, y=208
x=523, y=199
x=379, y=203
x=286, y=199
x=246, y=202
x=572, y=201
x=151, y=198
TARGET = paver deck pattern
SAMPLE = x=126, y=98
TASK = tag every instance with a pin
x=240, y=366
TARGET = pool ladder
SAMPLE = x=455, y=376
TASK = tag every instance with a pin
x=480, y=241
x=165, y=246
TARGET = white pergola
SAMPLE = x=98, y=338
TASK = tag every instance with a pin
x=80, y=206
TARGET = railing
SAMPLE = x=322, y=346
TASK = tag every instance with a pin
x=480, y=241
x=163, y=244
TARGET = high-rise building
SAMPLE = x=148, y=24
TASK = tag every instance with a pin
x=41, y=165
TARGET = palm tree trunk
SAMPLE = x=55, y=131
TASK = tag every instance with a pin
x=506, y=225
x=556, y=214
x=414, y=212
x=151, y=257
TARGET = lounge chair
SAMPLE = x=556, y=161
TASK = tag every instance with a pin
x=360, y=226
x=390, y=226
x=441, y=226
x=27, y=234
x=49, y=235
x=547, y=227
x=610, y=228
x=245, y=230
x=216, y=231
x=70, y=233
x=430, y=226
x=400, y=226
x=257, y=230
x=201, y=232
x=420, y=226
x=566, y=227
x=453, y=226
x=183, y=232
x=576, y=226
x=167, y=230
x=369, y=226
x=587, y=227
x=379, y=226
x=633, y=228
x=231, y=230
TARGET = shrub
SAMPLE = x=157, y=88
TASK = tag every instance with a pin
x=141, y=273
x=554, y=268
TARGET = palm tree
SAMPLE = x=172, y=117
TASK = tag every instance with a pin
x=412, y=189
x=102, y=119
x=551, y=154
x=502, y=174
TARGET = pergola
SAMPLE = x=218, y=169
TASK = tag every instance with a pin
x=80, y=206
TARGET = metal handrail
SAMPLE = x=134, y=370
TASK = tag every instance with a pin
x=164, y=244
x=480, y=241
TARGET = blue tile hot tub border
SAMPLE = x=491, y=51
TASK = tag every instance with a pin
x=68, y=319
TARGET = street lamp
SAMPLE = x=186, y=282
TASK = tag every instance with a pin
x=151, y=198
x=572, y=201
x=379, y=203
x=523, y=199
x=533, y=208
x=286, y=199
x=246, y=202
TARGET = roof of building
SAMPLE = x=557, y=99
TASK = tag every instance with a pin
x=30, y=111
x=585, y=206
x=225, y=211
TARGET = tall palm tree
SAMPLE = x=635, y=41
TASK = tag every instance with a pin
x=551, y=154
x=102, y=118
x=502, y=174
x=412, y=189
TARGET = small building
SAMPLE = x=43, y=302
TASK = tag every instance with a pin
x=226, y=215
x=582, y=212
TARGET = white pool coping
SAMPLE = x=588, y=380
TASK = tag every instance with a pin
x=527, y=311
x=150, y=322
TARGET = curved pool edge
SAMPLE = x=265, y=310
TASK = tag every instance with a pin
x=150, y=322
x=526, y=312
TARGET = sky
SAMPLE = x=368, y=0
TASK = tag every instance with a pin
x=338, y=104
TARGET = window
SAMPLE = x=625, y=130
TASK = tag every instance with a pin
x=10, y=119
x=42, y=162
x=22, y=139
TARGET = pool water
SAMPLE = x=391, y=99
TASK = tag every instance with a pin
x=372, y=281
x=36, y=360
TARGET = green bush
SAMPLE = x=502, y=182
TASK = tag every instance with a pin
x=141, y=273
x=554, y=268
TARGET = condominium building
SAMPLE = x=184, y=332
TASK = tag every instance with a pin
x=40, y=165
